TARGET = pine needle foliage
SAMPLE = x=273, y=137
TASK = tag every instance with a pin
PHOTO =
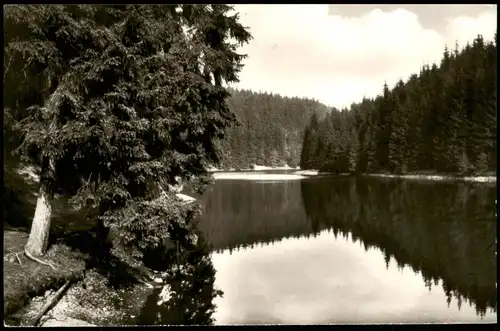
x=120, y=99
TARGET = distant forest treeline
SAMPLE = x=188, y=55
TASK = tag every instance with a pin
x=441, y=120
x=270, y=131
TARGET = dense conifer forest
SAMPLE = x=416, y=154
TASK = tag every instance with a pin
x=441, y=120
x=270, y=129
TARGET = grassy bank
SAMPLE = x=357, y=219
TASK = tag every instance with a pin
x=24, y=279
x=103, y=294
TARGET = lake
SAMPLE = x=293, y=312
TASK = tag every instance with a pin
x=325, y=250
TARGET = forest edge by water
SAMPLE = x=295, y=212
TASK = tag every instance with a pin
x=96, y=296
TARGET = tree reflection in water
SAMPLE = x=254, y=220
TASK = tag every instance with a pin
x=444, y=230
x=192, y=291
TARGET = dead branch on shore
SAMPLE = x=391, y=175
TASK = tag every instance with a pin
x=16, y=254
x=18, y=259
x=49, y=304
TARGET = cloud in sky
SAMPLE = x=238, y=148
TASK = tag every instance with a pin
x=337, y=54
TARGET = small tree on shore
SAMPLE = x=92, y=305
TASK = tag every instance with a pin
x=117, y=100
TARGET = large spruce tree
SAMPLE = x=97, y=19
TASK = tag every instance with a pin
x=114, y=101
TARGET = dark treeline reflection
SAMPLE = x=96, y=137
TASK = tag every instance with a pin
x=445, y=230
x=241, y=213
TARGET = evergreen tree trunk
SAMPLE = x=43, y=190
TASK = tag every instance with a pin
x=40, y=227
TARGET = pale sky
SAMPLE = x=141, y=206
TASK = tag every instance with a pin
x=339, y=53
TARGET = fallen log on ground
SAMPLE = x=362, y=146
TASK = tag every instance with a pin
x=49, y=304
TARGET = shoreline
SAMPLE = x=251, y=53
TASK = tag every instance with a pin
x=254, y=167
x=255, y=176
x=90, y=299
x=438, y=177
x=302, y=174
x=88, y=302
x=25, y=279
x=418, y=176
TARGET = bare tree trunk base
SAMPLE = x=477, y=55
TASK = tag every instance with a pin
x=31, y=257
x=38, y=239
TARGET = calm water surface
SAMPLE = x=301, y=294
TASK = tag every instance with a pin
x=346, y=250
